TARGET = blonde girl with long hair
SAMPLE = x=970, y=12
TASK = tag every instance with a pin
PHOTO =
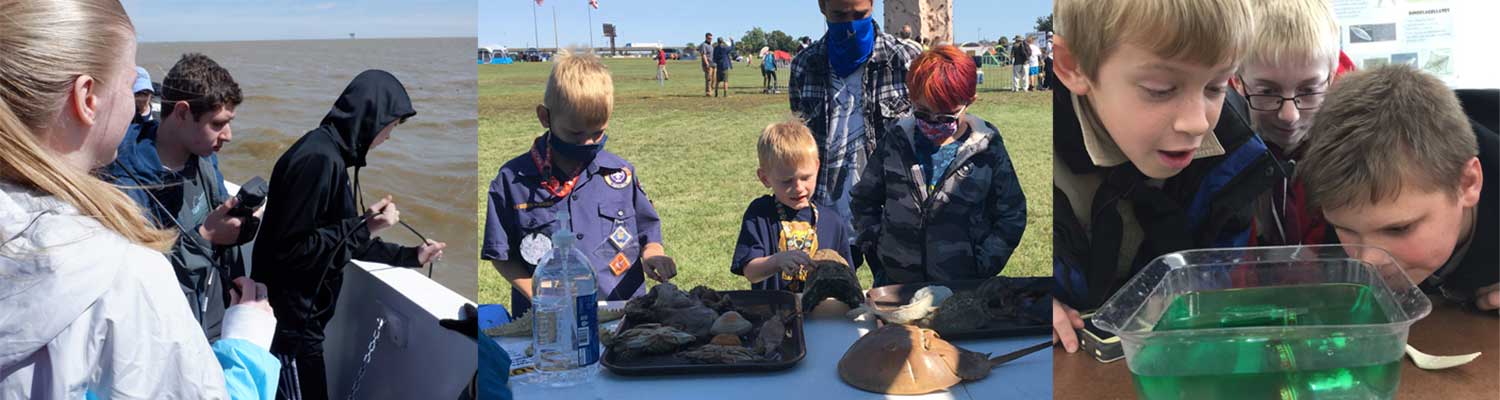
x=89, y=306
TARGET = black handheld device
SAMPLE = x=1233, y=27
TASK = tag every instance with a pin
x=251, y=196
x=1099, y=343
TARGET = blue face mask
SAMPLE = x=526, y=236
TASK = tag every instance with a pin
x=849, y=44
x=583, y=153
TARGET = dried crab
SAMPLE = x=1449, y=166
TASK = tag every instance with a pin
x=720, y=354
x=646, y=339
x=772, y=333
x=667, y=305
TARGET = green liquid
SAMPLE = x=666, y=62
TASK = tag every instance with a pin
x=1287, y=365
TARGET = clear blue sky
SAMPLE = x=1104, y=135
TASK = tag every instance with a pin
x=231, y=20
x=509, y=22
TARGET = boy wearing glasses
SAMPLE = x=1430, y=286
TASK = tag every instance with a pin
x=938, y=199
x=1292, y=62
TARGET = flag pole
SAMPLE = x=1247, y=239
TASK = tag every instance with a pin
x=556, y=47
x=535, y=32
x=590, y=9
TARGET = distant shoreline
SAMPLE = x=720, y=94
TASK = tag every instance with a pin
x=475, y=38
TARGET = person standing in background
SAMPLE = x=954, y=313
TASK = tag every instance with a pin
x=661, y=65
x=1019, y=53
x=849, y=86
x=706, y=54
x=143, y=94
x=723, y=61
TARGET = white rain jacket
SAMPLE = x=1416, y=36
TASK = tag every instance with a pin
x=84, y=312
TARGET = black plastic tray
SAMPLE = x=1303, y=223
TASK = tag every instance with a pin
x=892, y=296
x=752, y=303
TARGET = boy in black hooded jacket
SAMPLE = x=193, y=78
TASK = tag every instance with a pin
x=312, y=227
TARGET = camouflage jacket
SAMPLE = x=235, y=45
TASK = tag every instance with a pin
x=966, y=229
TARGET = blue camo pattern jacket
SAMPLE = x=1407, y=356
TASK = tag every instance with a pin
x=967, y=228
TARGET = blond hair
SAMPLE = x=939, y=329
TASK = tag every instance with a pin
x=579, y=90
x=47, y=44
x=786, y=143
x=1380, y=130
x=1294, y=31
x=1207, y=32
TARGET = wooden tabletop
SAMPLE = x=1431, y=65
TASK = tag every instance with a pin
x=1449, y=330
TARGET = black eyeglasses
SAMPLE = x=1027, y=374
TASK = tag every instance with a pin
x=933, y=118
x=1271, y=102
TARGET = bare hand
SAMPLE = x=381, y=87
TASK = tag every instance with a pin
x=220, y=228
x=385, y=215
x=660, y=268
x=1488, y=297
x=791, y=263
x=1065, y=321
x=250, y=293
x=430, y=251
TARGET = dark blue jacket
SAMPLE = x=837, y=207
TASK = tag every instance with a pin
x=203, y=268
x=723, y=57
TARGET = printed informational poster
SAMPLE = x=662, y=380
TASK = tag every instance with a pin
x=1421, y=33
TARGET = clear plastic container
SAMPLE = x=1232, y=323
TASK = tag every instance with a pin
x=565, y=332
x=1298, y=322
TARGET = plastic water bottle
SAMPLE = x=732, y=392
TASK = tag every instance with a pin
x=565, y=303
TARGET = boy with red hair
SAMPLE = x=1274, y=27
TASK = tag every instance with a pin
x=939, y=199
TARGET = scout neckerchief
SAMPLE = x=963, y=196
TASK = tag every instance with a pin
x=796, y=235
x=543, y=160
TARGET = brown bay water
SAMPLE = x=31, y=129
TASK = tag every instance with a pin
x=428, y=164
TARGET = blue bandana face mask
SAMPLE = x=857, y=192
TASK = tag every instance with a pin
x=849, y=44
x=583, y=153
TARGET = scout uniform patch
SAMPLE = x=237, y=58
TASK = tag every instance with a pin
x=619, y=264
x=534, y=247
x=619, y=179
x=620, y=238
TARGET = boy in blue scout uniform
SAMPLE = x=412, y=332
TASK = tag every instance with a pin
x=566, y=169
x=781, y=231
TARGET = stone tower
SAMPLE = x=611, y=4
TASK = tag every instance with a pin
x=931, y=20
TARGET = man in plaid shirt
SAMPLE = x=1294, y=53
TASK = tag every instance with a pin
x=847, y=87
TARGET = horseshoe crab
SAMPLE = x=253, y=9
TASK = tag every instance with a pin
x=1009, y=299
x=958, y=313
x=831, y=278
x=903, y=359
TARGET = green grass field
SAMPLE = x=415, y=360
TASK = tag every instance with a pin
x=695, y=156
